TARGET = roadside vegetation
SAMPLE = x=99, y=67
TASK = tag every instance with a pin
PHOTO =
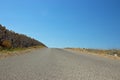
x=12, y=43
x=6, y=52
x=109, y=52
x=11, y=39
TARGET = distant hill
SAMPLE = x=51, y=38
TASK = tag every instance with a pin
x=11, y=39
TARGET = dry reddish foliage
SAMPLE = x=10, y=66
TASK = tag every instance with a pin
x=7, y=44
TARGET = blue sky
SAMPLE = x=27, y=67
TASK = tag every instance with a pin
x=65, y=23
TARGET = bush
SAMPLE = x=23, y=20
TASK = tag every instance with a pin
x=7, y=44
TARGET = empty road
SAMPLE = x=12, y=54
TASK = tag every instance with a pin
x=58, y=64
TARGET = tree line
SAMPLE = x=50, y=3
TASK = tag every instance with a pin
x=11, y=39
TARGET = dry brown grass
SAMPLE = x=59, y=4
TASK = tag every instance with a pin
x=16, y=51
x=105, y=53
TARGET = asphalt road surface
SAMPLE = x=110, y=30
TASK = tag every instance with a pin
x=58, y=64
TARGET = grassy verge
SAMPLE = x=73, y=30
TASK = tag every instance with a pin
x=111, y=53
x=5, y=52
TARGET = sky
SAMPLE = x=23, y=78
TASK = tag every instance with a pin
x=65, y=23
